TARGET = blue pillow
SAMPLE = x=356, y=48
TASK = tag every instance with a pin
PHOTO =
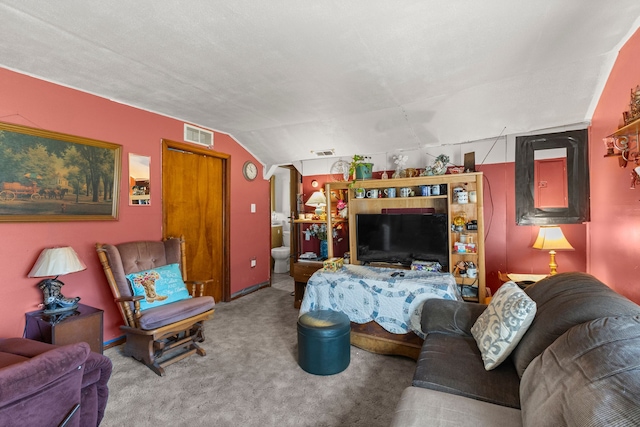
x=159, y=286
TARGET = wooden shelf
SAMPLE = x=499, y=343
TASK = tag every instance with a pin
x=632, y=128
x=395, y=199
x=443, y=203
x=319, y=221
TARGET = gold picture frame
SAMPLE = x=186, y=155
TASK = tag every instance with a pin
x=49, y=176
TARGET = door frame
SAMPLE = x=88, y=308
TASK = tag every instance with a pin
x=295, y=183
x=226, y=211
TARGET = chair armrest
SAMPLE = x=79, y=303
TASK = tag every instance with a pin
x=26, y=378
x=450, y=317
x=129, y=299
x=24, y=347
x=199, y=284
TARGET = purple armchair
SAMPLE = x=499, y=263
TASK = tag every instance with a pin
x=46, y=385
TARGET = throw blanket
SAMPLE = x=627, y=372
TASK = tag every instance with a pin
x=368, y=294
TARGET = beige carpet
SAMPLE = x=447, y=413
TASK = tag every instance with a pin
x=250, y=377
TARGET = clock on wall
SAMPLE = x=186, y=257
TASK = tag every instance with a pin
x=250, y=170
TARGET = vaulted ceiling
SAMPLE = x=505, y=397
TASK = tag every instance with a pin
x=288, y=77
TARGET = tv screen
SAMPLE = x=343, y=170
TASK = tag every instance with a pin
x=402, y=238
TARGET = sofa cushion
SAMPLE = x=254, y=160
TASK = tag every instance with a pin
x=563, y=301
x=160, y=286
x=452, y=364
x=501, y=326
x=429, y=408
x=590, y=376
x=8, y=359
x=448, y=316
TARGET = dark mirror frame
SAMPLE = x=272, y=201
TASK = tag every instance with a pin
x=577, y=212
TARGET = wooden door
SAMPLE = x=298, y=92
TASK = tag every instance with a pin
x=195, y=203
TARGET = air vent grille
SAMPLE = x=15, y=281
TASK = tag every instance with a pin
x=198, y=135
x=325, y=153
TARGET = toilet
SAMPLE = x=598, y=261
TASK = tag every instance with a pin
x=280, y=255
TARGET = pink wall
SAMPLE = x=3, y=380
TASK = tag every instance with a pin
x=36, y=103
x=508, y=247
x=614, y=230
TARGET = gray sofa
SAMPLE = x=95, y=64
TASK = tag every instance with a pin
x=578, y=364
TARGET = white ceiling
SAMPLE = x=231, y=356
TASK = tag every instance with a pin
x=285, y=77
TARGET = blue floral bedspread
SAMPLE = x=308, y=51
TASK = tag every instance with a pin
x=368, y=294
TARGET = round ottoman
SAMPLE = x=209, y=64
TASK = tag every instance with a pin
x=324, y=346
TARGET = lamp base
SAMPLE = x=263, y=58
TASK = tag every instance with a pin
x=53, y=300
x=552, y=263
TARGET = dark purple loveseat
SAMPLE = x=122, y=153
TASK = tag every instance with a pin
x=41, y=384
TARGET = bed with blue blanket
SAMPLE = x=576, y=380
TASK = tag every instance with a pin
x=383, y=304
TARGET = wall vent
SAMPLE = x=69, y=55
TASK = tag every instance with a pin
x=198, y=135
x=324, y=153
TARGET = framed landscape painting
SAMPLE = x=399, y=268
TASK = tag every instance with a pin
x=49, y=176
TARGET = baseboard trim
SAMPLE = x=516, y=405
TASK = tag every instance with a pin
x=250, y=289
x=115, y=342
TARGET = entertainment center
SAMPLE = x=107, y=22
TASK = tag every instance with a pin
x=444, y=205
x=464, y=239
x=462, y=242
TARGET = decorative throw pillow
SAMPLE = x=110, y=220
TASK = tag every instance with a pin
x=159, y=286
x=500, y=327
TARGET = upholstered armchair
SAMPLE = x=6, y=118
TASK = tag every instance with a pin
x=163, y=313
x=47, y=385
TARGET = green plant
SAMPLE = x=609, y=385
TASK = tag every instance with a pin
x=355, y=161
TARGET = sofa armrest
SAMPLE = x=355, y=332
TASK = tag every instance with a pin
x=449, y=316
x=95, y=392
x=24, y=347
x=25, y=378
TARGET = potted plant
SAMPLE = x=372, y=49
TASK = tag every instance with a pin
x=360, y=167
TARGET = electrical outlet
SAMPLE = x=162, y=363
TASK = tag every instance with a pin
x=253, y=263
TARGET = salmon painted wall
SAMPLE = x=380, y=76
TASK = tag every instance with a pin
x=615, y=208
x=508, y=247
x=35, y=103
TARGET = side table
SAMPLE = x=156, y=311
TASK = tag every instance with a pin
x=82, y=325
x=302, y=270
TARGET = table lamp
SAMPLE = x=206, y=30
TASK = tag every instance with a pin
x=551, y=238
x=56, y=262
x=318, y=201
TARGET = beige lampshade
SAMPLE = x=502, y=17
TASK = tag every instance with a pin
x=317, y=199
x=57, y=261
x=552, y=238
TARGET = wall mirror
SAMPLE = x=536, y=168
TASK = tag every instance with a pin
x=550, y=189
x=139, y=173
x=552, y=178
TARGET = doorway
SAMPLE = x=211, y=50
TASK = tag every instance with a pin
x=195, y=204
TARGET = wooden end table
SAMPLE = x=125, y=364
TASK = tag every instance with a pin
x=81, y=325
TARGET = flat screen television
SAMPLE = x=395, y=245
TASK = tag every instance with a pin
x=402, y=238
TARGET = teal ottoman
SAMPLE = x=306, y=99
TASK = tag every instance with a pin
x=324, y=346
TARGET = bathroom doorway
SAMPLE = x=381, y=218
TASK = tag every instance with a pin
x=281, y=211
x=283, y=194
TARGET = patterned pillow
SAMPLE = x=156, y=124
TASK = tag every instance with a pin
x=500, y=327
x=159, y=286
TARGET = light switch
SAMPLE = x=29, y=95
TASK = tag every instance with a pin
x=253, y=208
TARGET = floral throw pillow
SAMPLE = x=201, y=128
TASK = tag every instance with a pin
x=500, y=327
x=159, y=286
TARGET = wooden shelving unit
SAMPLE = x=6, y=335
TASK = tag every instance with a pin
x=443, y=203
